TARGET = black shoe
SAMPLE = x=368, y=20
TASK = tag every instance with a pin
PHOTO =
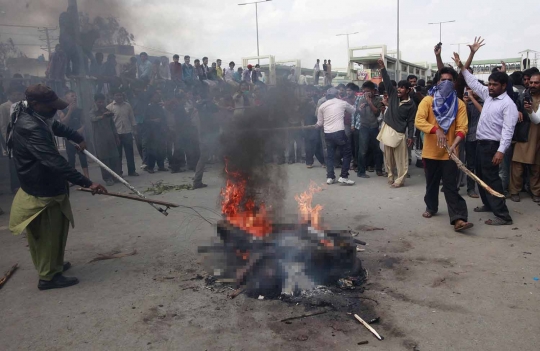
x=58, y=282
x=149, y=170
x=134, y=174
x=199, y=185
x=66, y=266
x=162, y=169
x=291, y=162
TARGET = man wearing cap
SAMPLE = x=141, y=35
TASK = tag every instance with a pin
x=247, y=74
x=42, y=205
x=330, y=117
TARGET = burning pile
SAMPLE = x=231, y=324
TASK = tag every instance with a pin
x=271, y=259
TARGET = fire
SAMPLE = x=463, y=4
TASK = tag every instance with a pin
x=241, y=212
x=306, y=212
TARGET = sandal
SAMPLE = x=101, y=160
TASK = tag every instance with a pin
x=394, y=186
x=462, y=225
x=390, y=181
x=481, y=209
x=427, y=214
x=498, y=221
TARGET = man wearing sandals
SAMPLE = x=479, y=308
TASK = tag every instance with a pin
x=494, y=134
x=443, y=119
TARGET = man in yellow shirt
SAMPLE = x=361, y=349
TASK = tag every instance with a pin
x=443, y=119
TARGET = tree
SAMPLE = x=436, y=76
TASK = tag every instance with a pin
x=109, y=29
x=7, y=50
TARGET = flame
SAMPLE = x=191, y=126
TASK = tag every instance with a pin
x=306, y=212
x=241, y=212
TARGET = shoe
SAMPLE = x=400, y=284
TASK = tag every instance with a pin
x=380, y=173
x=134, y=174
x=515, y=197
x=162, y=169
x=149, y=170
x=109, y=182
x=473, y=194
x=536, y=198
x=143, y=166
x=323, y=165
x=66, y=266
x=345, y=181
x=57, y=282
x=362, y=175
x=370, y=169
x=291, y=162
x=309, y=166
x=199, y=185
x=330, y=181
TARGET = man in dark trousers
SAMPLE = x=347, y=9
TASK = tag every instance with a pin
x=42, y=205
x=154, y=140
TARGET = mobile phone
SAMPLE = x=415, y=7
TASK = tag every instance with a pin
x=466, y=94
x=527, y=99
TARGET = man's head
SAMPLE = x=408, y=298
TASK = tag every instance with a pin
x=143, y=56
x=329, y=61
x=240, y=70
x=187, y=59
x=331, y=93
x=214, y=65
x=44, y=100
x=57, y=48
x=341, y=89
x=369, y=88
x=231, y=65
x=412, y=79
x=176, y=58
x=244, y=87
x=99, y=57
x=527, y=74
x=403, y=89
x=318, y=60
x=205, y=60
x=99, y=100
x=218, y=62
x=70, y=97
x=111, y=58
x=250, y=67
x=197, y=62
x=447, y=74
x=164, y=60
x=497, y=82
x=351, y=89
x=155, y=98
x=16, y=93
x=517, y=78
x=534, y=84
x=325, y=61
x=118, y=97
x=133, y=60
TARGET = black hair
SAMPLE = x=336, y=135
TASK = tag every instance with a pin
x=341, y=85
x=412, y=76
x=99, y=96
x=394, y=83
x=196, y=60
x=232, y=63
x=99, y=54
x=143, y=53
x=499, y=77
x=529, y=72
x=404, y=84
x=517, y=78
x=448, y=70
x=354, y=87
x=421, y=83
x=187, y=56
x=495, y=69
x=382, y=88
x=369, y=85
x=205, y=58
x=176, y=56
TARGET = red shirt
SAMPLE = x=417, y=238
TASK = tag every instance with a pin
x=176, y=70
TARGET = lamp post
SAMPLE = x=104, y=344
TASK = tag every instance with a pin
x=459, y=47
x=440, y=27
x=348, y=61
x=256, y=17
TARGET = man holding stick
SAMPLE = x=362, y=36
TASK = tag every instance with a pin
x=42, y=205
x=494, y=134
x=443, y=119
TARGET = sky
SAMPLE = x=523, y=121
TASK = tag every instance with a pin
x=304, y=29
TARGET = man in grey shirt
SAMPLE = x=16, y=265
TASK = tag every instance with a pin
x=365, y=127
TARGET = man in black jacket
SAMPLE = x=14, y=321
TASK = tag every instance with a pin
x=41, y=205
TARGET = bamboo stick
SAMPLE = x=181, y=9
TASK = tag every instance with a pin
x=365, y=324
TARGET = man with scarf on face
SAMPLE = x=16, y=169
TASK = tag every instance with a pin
x=41, y=205
x=443, y=119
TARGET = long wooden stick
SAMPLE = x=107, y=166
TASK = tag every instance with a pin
x=480, y=182
x=8, y=274
x=365, y=324
x=131, y=197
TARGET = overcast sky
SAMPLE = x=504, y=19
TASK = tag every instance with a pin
x=306, y=29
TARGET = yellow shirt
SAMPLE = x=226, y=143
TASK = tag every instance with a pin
x=427, y=123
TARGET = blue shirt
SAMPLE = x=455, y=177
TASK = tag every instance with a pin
x=187, y=72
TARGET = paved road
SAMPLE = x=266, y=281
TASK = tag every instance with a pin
x=434, y=289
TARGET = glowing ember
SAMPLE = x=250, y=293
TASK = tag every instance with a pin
x=306, y=212
x=240, y=211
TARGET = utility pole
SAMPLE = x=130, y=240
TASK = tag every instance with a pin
x=459, y=47
x=256, y=3
x=47, y=39
x=349, y=64
x=397, y=78
x=440, y=27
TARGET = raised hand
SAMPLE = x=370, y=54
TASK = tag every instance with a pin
x=457, y=60
x=380, y=62
x=437, y=50
x=503, y=67
x=478, y=43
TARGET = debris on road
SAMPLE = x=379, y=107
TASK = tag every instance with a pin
x=112, y=254
x=365, y=342
x=160, y=187
x=8, y=274
x=365, y=324
x=303, y=316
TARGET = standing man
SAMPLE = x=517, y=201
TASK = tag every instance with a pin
x=229, y=75
x=145, y=67
x=247, y=74
x=365, y=128
x=74, y=119
x=154, y=140
x=330, y=118
x=398, y=119
x=176, y=70
x=188, y=72
x=126, y=125
x=316, y=72
x=219, y=70
x=443, y=119
x=324, y=68
x=412, y=79
x=527, y=154
x=329, y=72
x=41, y=205
x=494, y=134
x=474, y=109
x=208, y=134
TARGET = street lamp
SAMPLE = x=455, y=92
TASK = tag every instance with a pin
x=348, y=61
x=459, y=47
x=440, y=27
x=256, y=17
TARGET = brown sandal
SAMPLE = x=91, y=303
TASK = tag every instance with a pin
x=427, y=214
x=460, y=226
x=396, y=185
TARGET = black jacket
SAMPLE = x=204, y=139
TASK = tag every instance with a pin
x=399, y=117
x=42, y=171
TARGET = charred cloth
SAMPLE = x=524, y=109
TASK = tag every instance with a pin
x=291, y=260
